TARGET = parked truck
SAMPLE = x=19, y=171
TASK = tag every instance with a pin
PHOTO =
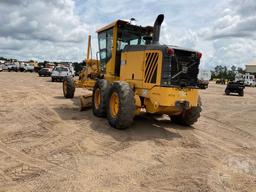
x=28, y=67
x=247, y=79
x=203, y=79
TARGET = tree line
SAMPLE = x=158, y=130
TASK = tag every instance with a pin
x=222, y=72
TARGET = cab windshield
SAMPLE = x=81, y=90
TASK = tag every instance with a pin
x=131, y=35
x=60, y=69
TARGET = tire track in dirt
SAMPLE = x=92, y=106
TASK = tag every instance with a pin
x=45, y=166
x=76, y=136
x=224, y=155
x=20, y=136
x=237, y=140
x=59, y=149
x=230, y=127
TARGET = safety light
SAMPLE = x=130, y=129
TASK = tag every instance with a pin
x=170, y=51
x=199, y=55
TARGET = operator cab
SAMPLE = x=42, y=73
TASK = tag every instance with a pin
x=123, y=33
x=179, y=67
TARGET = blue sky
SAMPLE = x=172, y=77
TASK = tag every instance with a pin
x=224, y=31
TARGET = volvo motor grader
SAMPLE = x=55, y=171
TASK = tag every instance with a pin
x=135, y=73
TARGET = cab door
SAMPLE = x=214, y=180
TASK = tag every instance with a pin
x=107, y=52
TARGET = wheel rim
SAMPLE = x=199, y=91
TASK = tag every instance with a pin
x=114, y=104
x=97, y=96
x=65, y=87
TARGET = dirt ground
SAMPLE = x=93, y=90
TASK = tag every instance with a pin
x=48, y=145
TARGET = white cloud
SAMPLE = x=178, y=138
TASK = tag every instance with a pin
x=238, y=19
x=27, y=24
x=224, y=31
x=232, y=34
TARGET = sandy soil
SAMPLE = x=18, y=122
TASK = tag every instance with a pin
x=47, y=144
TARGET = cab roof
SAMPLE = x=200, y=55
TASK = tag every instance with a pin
x=112, y=25
x=121, y=22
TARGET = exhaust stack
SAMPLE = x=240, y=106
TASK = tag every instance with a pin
x=157, y=28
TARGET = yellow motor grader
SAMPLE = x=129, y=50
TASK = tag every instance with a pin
x=136, y=73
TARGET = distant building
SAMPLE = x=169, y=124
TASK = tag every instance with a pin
x=251, y=68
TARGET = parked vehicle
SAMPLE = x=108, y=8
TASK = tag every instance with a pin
x=28, y=68
x=59, y=73
x=203, y=79
x=235, y=87
x=248, y=79
x=13, y=67
x=21, y=67
x=5, y=67
x=221, y=81
x=46, y=72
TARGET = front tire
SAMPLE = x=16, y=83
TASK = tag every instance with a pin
x=99, y=98
x=188, y=117
x=121, y=105
x=69, y=87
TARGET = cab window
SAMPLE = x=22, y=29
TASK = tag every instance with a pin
x=105, y=47
x=128, y=36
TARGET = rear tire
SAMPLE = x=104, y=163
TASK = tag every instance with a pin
x=99, y=98
x=121, y=105
x=227, y=92
x=69, y=87
x=241, y=93
x=188, y=117
x=53, y=79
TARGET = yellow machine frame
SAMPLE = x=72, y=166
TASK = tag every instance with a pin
x=157, y=99
x=142, y=70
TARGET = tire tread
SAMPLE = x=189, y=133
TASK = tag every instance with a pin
x=70, y=87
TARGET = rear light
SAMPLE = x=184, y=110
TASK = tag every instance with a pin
x=170, y=51
x=199, y=55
